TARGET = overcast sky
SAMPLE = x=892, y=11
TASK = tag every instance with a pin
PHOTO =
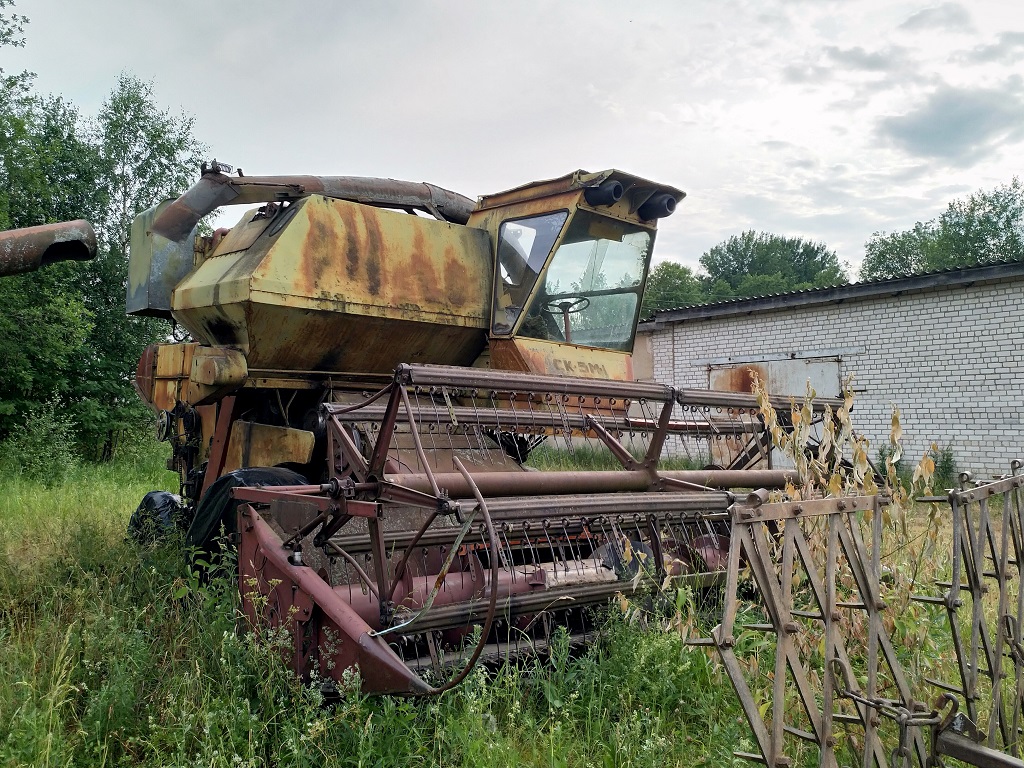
x=826, y=119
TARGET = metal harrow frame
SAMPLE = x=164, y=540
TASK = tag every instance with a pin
x=816, y=576
x=988, y=544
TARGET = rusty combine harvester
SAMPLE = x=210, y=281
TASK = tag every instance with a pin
x=373, y=362
x=29, y=248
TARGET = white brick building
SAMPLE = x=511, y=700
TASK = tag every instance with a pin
x=947, y=348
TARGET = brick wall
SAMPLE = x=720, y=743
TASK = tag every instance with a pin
x=951, y=358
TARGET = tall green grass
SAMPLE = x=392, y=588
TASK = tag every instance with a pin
x=102, y=665
x=589, y=456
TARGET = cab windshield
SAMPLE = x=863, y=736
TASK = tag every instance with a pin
x=590, y=293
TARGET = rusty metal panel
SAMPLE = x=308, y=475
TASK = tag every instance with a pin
x=261, y=445
x=784, y=378
x=559, y=359
x=163, y=374
x=738, y=378
x=781, y=377
x=342, y=286
x=363, y=260
x=29, y=248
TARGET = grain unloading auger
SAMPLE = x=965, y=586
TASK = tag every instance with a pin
x=366, y=385
x=29, y=248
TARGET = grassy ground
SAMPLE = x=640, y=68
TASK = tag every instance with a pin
x=113, y=655
x=102, y=665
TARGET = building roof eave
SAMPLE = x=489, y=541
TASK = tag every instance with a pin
x=965, y=277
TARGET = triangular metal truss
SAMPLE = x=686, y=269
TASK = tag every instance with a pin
x=835, y=684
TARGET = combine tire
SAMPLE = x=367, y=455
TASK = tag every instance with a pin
x=215, y=516
x=159, y=513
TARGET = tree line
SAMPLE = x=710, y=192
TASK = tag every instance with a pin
x=985, y=227
x=65, y=341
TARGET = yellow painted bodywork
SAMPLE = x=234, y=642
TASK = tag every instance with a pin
x=261, y=445
x=333, y=285
x=167, y=378
x=555, y=358
x=215, y=372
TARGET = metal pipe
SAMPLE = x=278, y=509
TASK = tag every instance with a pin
x=29, y=248
x=544, y=419
x=507, y=381
x=611, y=481
x=216, y=189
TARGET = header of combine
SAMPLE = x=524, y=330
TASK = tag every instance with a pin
x=29, y=248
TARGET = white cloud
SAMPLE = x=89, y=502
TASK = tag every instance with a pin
x=948, y=16
x=767, y=112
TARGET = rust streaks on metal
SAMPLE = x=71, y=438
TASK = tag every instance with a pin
x=28, y=249
x=216, y=189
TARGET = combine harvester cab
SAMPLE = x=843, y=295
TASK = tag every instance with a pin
x=365, y=388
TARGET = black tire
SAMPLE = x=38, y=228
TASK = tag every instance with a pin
x=216, y=512
x=158, y=515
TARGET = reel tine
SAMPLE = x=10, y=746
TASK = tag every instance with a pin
x=534, y=560
x=419, y=420
x=510, y=563
x=596, y=414
x=551, y=548
x=515, y=413
x=568, y=542
x=497, y=420
x=346, y=577
x=563, y=415
x=481, y=448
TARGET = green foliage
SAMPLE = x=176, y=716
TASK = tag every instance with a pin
x=987, y=226
x=146, y=155
x=669, y=286
x=591, y=456
x=11, y=27
x=50, y=170
x=63, y=331
x=757, y=263
x=43, y=326
x=43, y=448
x=749, y=264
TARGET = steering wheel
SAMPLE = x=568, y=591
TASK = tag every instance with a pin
x=567, y=305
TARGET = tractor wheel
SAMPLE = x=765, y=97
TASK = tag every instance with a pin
x=159, y=514
x=216, y=513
